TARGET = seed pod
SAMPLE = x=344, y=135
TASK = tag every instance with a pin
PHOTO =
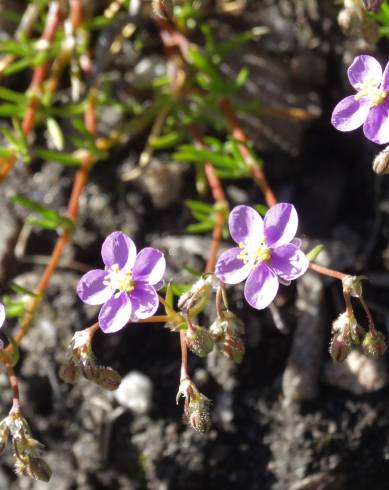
x=88, y=367
x=199, y=340
x=198, y=414
x=69, y=372
x=108, y=378
x=339, y=348
x=233, y=348
x=374, y=344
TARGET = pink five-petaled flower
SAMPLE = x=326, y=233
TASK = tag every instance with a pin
x=370, y=105
x=267, y=253
x=127, y=286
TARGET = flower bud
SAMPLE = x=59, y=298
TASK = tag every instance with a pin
x=372, y=5
x=38, y=469
x=69, y=372
x=374, y=344
x=199, y=340
x=381, y=162
x=198, y=414
x=108, y=378
x=233, y=348
x=339, y=348
x=194, y=301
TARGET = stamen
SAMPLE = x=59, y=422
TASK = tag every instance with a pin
x=119, y=280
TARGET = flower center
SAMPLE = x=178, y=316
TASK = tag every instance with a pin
x=369, y=89
x=254, y=253
x=119, y=280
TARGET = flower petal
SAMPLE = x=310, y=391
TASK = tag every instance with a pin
x=350, y=114
x=115, y=313
x=91, y=288
x=118, y=249
x=261, y=287
x=230, y=269
x=2, y=314
x=281, y=222
x=289, y=262
x=144, y=301
x=364, y=67
x=385, y=78
x=376, y=127
x=244, y=222
x=150, y=265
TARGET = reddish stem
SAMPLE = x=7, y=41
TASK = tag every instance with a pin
x=13, y=381
x=325, y=271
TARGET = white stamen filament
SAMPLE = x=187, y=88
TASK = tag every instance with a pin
x=370, y=89
x=119, y=280
x=254, y=253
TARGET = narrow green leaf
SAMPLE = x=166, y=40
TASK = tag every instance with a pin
x=66, y=159
x=55, y=133
x=314, y=253
x=15, y=349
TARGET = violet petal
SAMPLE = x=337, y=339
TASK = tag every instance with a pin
x=261, y=287
x=144, y=301
x=230, y=269
x=91, y=289
x=385, y=78
x=281, y=222
x=118, y=249
x=150, y=265
x=115, y=313
x=288, y=262
x=376, y=127
x=350, y=114
x=244, y=223
x=2, y=314
x=364, y=67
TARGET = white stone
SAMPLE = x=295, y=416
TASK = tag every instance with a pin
x=135, y=392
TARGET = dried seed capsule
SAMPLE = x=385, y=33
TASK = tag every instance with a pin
x=38, y=469
x=381, y=162
x=69, y=372
x=233, y=348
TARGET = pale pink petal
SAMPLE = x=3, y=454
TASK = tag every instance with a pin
x=245, y=223
x=261, y=287
x=280, y=224
x=91, y=288
x=288, y=262
x=144, y=301
x=115, y=313
x=376, y=127
x=350, y=114
x=150, y=265
x=364, y=67
x=230, y=269
x=118, y=249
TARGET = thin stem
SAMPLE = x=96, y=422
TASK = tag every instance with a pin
x=256, y=172
x=325, y=271
x=184, y=356
x=13, y=381
x=370, y=319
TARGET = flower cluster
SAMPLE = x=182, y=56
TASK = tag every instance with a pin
x=370, y=105
x=127, y=286
x=267, y=253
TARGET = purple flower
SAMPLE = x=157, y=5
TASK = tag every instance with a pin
x=127, y=286
x=267, y=253
x=370, y=105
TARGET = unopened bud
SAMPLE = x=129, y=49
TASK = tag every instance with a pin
x=381, y=162
x=199, y=340
x=352, y=285
x=108, y=378
x=69, y=372
x=339, y=348
x=88, y=367
x=39, y=469
x=163, y=9
x=198, y=414
x=372, y=5
x=233, y=348
x=374, y=344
